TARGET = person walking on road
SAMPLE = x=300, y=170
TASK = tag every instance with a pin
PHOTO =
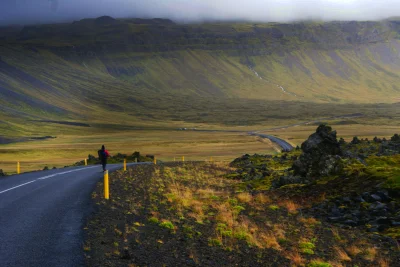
x=103, y=155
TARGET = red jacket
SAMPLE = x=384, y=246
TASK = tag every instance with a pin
x=105, y=152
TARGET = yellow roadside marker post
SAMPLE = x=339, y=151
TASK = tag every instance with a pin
x=18, y=168
x=136, y=160
x=125, y=165
x=174, y=159
x=183, y=158
x=106, y=186
x=155, y=161
x=85, y=162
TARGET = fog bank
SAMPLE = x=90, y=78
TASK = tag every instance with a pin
x=45, y=11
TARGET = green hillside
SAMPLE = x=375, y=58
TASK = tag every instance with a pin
x=134, y=70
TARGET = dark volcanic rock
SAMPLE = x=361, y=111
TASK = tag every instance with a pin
x=355, y=140
x=384, y=195
x=392, y=147
x=2, y=173
x=255, y=166
x=321, y=154
x=323, y=139
x=91, y=158
x=376, y=197
x=284, y=180
x=361, y=210
x=247, y=160
x=395, y=138
x=374, y=207
x=377, y=140
x=241, y=162
x=350, y=223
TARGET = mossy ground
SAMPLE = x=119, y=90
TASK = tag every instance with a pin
x=191, y=214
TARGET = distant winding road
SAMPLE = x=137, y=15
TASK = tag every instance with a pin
x=280, y=142
x=42, y=216
x=288, y=147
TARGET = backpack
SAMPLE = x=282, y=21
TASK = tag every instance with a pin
x=102, y=154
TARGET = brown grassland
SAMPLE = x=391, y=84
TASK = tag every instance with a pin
x=165, y=145
x=73, y=144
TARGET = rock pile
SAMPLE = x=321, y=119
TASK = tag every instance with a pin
x=355, y=140
x=247, y=160
x=391, y=147
x=249, y=167
x=375, y=210
x=2, y=173
x=285, y=180
x=321, y=155
x=92, y=158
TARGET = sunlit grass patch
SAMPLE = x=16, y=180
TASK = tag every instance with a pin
x=225, y=214
x=167, y=224
x=336, y=234
x=214, y=242
x=153, y=220
x=393, y=232
x=341, y=254
x=262, y=199
x=353, y=250
x=295, y=258
x=383, y=262
x=290, y=206
x=244, y=197
x=269, y=240
x=306, y=247
x=273, y=207
x=319, y=263
x=309, y=222
x=370, y=253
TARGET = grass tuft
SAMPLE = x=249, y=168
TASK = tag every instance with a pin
x=341, y=254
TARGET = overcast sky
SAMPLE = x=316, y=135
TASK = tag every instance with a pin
x=43, y=11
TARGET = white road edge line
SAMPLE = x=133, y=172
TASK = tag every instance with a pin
x=61, y=173
x=46, y=177
x=17, y=186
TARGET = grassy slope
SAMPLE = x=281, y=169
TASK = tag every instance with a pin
x=361, y=75
x=176, y=81
x=110, y=69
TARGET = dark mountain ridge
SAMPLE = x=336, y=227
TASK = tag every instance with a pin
x=165, y=35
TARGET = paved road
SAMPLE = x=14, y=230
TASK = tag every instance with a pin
x=42, y=215
x=280, y=142
x=288, y=147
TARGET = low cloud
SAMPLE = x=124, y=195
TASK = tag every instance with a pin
x=44, y=11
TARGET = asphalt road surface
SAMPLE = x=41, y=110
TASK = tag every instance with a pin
x=280, y=142
x=42, y=215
